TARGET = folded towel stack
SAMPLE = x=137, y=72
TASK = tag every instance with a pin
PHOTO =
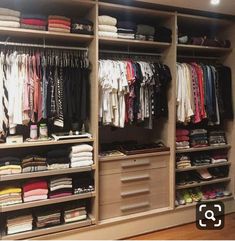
x=18, y=224
x=219, y=156
x=163, y=34
x=74, y=214
x=145, y=32
x=35, y=190
x=10, y=165
x=9, y=18
x=182, y=139
x=217, y=138
x=107, y=26
x=44, y=219
x=58, y=159
x=10, y=196
x=84, y=183
x=34, y=164
x=33, y=21
x=126, y=29
x=81, y=155
x=60, y=187
x=59, y=24
x=82, y=26
x=198, y=138
x=201, y=160
x=183, y=161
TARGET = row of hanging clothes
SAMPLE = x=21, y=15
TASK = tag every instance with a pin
x=43, y=84
x=132, y=91
x=204, y=93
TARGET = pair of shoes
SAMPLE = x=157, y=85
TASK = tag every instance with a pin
x=219, y=172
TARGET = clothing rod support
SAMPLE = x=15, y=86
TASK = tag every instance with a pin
x=42, y=46
x=130, y=53
x=197, y=57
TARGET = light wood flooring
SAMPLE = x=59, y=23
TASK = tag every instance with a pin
x=189, y=232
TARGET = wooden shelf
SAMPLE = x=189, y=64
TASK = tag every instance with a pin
x=203, y=49
x=47, y=173
x=45, y=143
x=203, y=167
x=47, y=35
x=133, y=43
x=49, y=230
x=208, y=148
x=210, y=200
x=203, y=183
x=4, y=209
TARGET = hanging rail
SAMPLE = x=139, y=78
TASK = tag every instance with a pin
x=129, y=53
x=198, y=57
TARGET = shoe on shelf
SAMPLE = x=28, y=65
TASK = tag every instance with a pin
x=187, y=197
x=204, y=175
x=196, y=195
x=180, y=198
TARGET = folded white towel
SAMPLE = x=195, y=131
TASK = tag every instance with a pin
x=81, y=154
x=81, y=164
x=79, y=218
x=81, y=148
x=77, y=159
x=60, y=187
x=108, y=34
x=9, y=18
x=20, y=228
x=9, y=12
x=10, y=24
x=107, y=28
x=107, y=20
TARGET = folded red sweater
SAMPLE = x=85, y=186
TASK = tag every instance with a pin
x=182, y=132
x=59, y=21
x=32, y=21
x=182, y=138
x=34, y=185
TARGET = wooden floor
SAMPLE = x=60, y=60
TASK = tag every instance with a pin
x=189, y=232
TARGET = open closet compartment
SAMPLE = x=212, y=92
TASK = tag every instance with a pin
x=204, y=165
x=141, y=180
x=29, y=41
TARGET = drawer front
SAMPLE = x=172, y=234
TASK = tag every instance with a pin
x=135, y=164
x=133, y=205
x=121, y=187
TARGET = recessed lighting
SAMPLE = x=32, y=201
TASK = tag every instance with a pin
x=215, y=2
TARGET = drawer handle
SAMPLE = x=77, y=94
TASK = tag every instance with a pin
x=127, y=194
x=144, y=163
x=135, y=206
x=137, y=178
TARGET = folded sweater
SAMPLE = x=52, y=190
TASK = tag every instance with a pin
x=145, y=29
x=9, y=18
x=81, y=163
x=37, y=22
x=59, y=21
x=63, y=30
x=107, y=20
x=107, y=28
x=32, y=185
x=82, y=148
x=57, y=17
x=56, y=25
x=10, y=24
x=81, y=154
x=9, y=12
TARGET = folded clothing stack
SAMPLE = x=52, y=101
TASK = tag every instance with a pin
x=33, y=21
x=59, y=24
x=9, y=18
x=34, y=164
x=198, y=138
x=107, y=26
x=74, y=214
x=82, y=26
x=145, y=32
x=45, y=219
x=84, y=183
x=163, y=34
x=10, y=196
x=183, y=161
x=35, y=190
x=18, y=224
x=219, y=156
x=182, y=139
x=10, y=165
x=126, y=29
x=60, y=187
x=81, y=155
x=217, y=138
x=200, y=160
x=58, y=159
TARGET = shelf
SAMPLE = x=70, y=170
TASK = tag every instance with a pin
x=133, y=43
x=203, y=183
x=49, y=230
x=208, y=148
x=202, y=49
x=45, y=202
x=210, y=200
x=203, y=167
x=47, y=173
x=47, y=35
x=46, y=143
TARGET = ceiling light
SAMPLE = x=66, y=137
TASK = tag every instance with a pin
x=215, y=2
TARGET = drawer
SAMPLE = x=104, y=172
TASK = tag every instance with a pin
x=133, y=164
x=122, y=186
x=133, y=205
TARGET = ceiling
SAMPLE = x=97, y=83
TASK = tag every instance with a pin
x=225, y=7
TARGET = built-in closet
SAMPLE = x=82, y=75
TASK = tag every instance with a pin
x=132, y=194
